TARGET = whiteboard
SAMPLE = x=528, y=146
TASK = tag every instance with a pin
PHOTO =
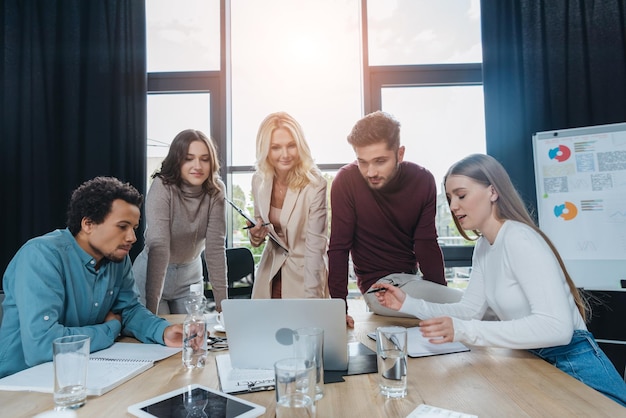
x=580, y=175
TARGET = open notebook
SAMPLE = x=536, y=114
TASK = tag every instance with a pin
x=108, y=369
x=419, y=346
x=361, y=360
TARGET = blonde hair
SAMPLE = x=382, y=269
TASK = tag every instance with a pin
x=487, y=171
x=305, y=171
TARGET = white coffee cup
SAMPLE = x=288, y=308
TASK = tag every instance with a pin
x=219, y=318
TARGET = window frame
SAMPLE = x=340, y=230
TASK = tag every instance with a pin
x=429, y=75
x=375, y=78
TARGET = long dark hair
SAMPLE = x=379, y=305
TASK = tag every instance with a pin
x=487, y=171
x=170, y=168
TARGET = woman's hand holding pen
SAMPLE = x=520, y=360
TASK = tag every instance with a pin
x=389, y=296
x=437, y=330
x=257, y=232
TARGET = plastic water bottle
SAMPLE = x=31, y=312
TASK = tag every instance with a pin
x=194, y=329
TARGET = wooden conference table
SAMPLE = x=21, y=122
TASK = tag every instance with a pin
x=484, y=382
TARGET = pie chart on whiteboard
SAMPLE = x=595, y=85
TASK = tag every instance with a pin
x=560, y=153
x=567, y=211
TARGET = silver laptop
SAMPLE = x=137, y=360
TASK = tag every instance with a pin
x=260, y=331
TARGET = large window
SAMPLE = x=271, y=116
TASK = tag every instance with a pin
x=284, y=59
x=162, y=130
x=183, y=36
x=412, y=32
x=327, y=62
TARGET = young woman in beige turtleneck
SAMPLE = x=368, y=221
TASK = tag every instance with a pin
x=185, y=215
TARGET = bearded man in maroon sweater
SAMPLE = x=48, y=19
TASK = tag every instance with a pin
x=383, y=214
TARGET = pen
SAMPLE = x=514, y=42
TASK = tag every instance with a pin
x=191, y=337
x=252, y=226
x=379, y=289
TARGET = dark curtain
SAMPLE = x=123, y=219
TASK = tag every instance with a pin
x=549, y=65
x=72, y=106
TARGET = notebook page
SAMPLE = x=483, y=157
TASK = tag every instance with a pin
x=234, y=380
x=136, y=351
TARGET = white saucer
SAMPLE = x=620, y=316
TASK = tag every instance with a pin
x=219, y=328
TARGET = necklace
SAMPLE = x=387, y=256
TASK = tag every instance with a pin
x=278, y=194
x=280, y=188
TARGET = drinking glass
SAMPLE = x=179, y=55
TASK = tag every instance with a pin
x=71, y=360
x=391, y=354
x=309, y=344
x=295, y=388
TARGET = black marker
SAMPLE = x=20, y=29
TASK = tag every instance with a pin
x=379, y=289
x=252, y=226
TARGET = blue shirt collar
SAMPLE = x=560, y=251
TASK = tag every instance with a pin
x=87, y=260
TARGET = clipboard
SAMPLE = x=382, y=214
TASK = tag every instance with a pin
x=271, y=233
x=241, y=212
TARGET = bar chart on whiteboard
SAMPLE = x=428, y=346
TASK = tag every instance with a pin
x=581, y=191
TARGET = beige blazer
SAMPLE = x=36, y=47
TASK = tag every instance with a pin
x=304, y=223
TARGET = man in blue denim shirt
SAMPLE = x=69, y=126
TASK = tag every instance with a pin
x=79, y=281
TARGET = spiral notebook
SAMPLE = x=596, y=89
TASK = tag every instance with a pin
x=108, y=369
x=361, y=360
x=419, y=346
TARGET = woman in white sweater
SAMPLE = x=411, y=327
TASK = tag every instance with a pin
x=519, y=274
x=185, y=215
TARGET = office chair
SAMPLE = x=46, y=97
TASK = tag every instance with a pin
x=606, y=323
x=457, y=255
x=240, y=264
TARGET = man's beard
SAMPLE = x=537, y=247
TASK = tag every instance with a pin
x=114, y=258
x=386, y=180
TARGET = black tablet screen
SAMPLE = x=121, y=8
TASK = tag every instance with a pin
x=197, y=402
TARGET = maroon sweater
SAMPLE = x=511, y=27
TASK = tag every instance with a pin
x=391, y=230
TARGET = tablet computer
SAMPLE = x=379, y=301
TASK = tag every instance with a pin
x=196, y=400
x=271, y=233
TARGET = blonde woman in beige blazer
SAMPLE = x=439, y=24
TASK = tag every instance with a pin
x=289, y=195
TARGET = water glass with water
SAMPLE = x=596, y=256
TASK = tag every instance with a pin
x=391, y=353
x=70, y=356
x=308, y=343
x=295, y=388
